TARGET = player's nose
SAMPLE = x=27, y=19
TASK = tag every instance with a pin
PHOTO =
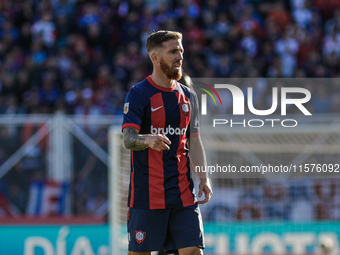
x=180, y=56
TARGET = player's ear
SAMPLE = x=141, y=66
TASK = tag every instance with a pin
x=154, y=57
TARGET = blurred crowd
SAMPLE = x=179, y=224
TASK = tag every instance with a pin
x=83, y=56
x=297, y=200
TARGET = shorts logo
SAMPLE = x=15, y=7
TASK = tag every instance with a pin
x=140, y=236
x=126, y=108
x=185, y=109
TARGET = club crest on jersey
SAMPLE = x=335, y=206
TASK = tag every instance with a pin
x=185, y=108
x=126, y=108
x=140, y=236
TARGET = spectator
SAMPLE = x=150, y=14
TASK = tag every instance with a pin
x=287, y=48
x=46, y=28
x=303, y=15
x=332, y=44
x=279, y=15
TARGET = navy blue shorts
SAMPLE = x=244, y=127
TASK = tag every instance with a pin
x=170, y=229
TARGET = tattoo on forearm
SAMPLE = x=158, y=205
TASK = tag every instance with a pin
x=133, y=140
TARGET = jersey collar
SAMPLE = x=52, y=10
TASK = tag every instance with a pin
x=160, y=87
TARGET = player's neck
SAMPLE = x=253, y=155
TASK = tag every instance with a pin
x=161, y=80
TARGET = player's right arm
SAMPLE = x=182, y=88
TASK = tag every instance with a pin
x=137, y=142
x=134, y=110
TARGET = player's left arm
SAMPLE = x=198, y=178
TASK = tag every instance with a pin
x=197, y=158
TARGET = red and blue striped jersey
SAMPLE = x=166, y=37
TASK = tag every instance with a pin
x=162, y=179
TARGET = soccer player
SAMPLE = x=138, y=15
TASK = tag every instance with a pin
x=160, y=124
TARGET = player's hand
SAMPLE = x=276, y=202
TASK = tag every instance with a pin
x=158, y=142
x=205, y=187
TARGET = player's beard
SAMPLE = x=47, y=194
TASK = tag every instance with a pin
x=172, y=74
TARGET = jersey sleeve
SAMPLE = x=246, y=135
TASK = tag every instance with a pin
x=194, y=120
x=133, y=110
